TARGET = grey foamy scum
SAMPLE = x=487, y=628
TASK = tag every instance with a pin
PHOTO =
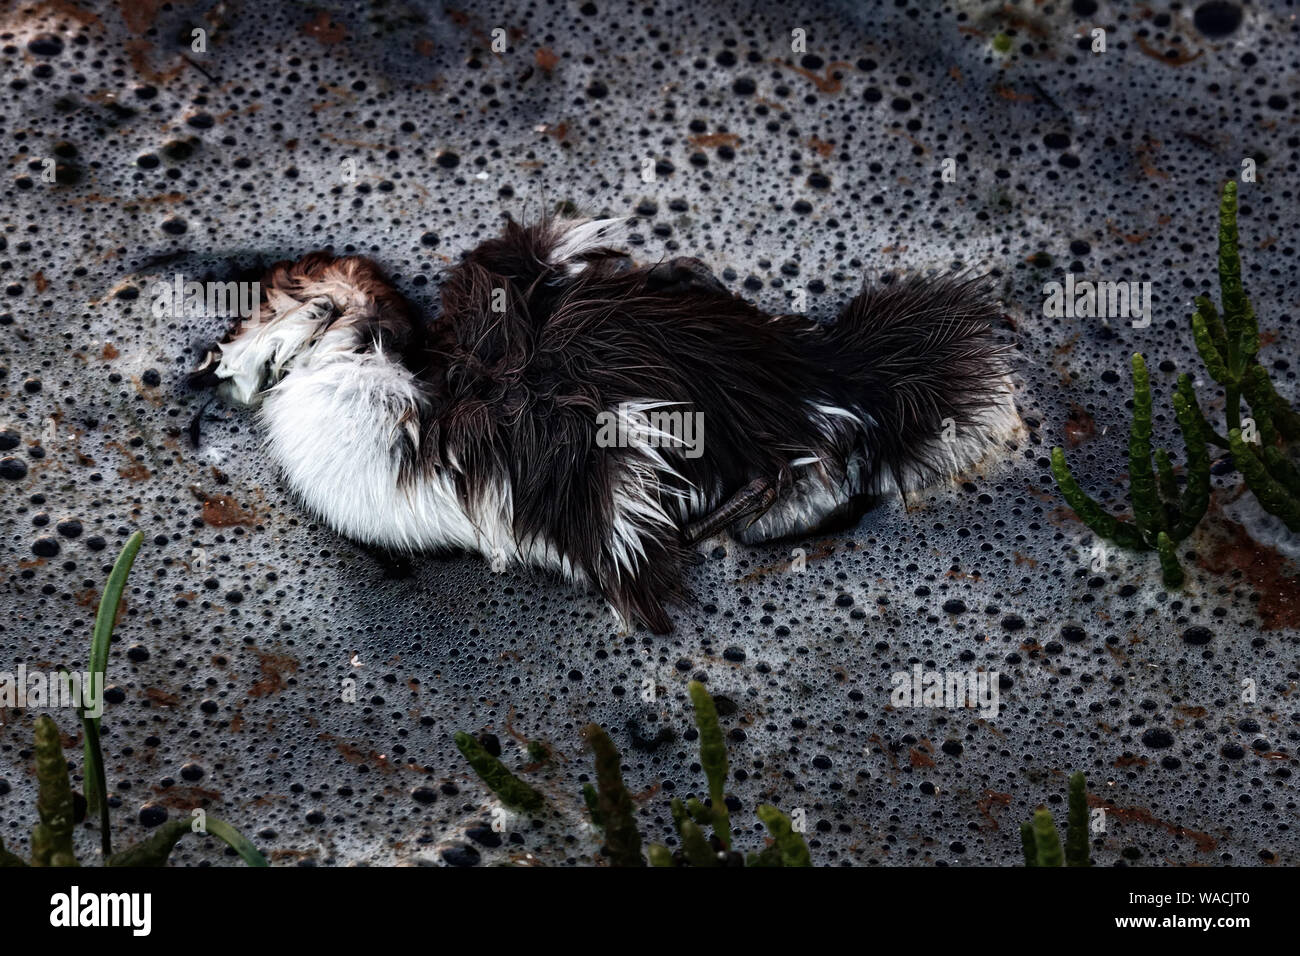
x=573, y=411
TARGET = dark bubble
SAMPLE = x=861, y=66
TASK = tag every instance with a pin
x=179, y=149
x=462, y=855
x=1217, y=18
x=45, y=44
x=1158, y=738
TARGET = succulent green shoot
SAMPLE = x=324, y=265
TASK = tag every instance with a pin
x=1258, y=391
x=695, y=845
x=1089, y=511
x=1171, y=571
x=154, y=849
x=793, y=849
x=1047, y=842
x=612, y=809
x=1239, y=317
x=1028, y=845
x=1282, y=470
x=678, y=810
x=768, y=856
x=9, y=859
x=1040, y=842
x=1166, y=483
x=512, y=791
x=1213, y=324
x=52, y=836
x=1214, y=361
x=1147, y=513
x=1076, y=828
x=660, y=855
x=1231, y=292
x=1285, y=417
x=1195, y=499
x=713, y=757
x=1228, y=344
x=699, y=812
x=592, y=800
x=617, y=811
x=1272, y=495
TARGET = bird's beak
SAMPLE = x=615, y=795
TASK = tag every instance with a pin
x=205, y=374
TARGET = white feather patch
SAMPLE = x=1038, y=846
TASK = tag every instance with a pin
x=583, y=235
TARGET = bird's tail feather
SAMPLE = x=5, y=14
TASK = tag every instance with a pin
x=917, y=360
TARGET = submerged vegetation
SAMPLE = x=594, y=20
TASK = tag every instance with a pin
x=1042, y=843
x=1228, y=344
x=56, y=804
x=613, y=810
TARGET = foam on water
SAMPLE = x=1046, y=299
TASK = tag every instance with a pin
x=782, y=171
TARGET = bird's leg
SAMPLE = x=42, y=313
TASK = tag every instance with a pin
x=684, y=274
x=751, y=501
x=196, y=423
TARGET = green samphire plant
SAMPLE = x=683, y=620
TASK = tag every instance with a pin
x=52, y=837
x=1228, y=344
x=613, y=810
x=1162, y=516
x=1042, y=843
